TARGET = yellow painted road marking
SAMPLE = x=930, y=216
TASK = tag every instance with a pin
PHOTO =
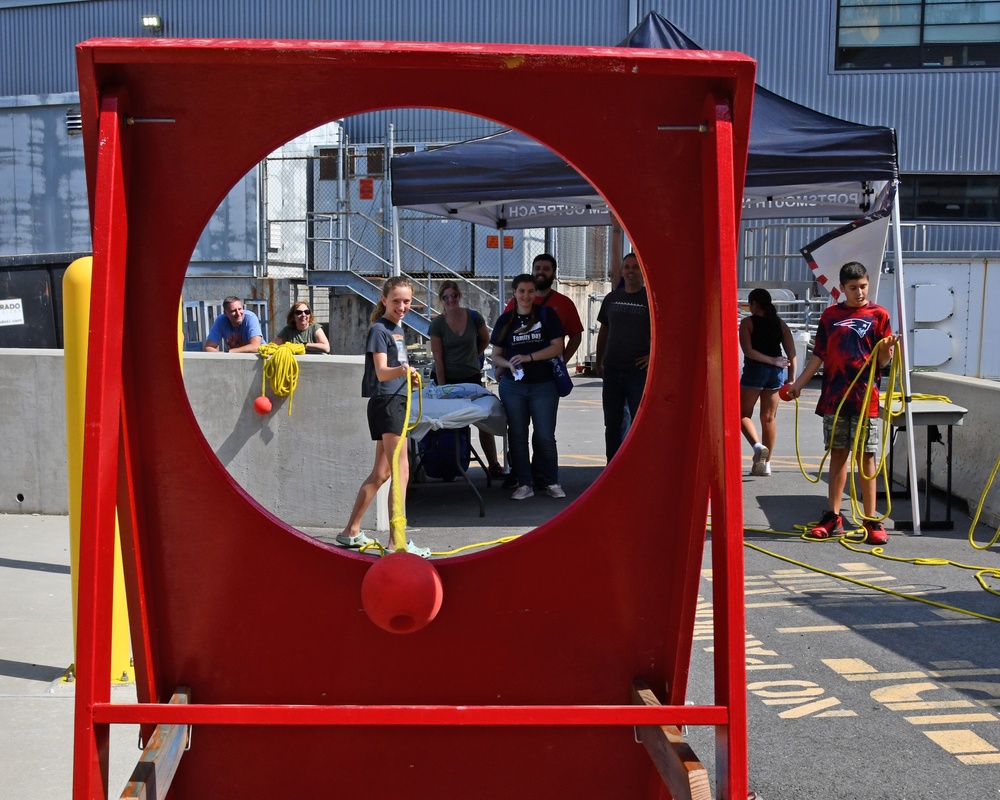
x=814, y=629
x=887, y=676
x=928, y=705
x=977, y=760
x=909, y=697
x=849, y=666
x=943, y=719
x=957, y=673
x=963, y=742
x=809, y=708
x=877, y=626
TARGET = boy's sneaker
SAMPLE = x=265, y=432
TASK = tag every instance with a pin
x=830, y=524
x=555, y=490
x=522, y=493
x=875, y=533
x=760, y=455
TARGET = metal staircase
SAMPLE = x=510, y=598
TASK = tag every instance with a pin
x=351, y=281
x=343, y=250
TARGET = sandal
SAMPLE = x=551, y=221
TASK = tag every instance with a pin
x=496, y=471
x=359, y=540
x=423, y=552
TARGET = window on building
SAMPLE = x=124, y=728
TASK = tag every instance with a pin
x=917, y=34
x=329, y=163
x=376, y=161
x=960, y=198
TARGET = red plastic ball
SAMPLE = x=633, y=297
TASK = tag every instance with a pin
x=401, y=593
x=262, y=405
x=784, y=392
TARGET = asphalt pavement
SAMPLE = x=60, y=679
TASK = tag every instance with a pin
x=853, y=692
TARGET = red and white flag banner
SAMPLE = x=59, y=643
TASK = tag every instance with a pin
x=862, y=240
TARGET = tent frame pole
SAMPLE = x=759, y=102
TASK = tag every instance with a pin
x=911, y=451
x=397, y=260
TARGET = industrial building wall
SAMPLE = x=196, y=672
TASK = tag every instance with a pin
x=947, y=120
x=38, y=55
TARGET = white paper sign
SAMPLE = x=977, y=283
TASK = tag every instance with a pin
x=11, y=312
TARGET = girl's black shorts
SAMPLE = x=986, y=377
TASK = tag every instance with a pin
x=386, y=414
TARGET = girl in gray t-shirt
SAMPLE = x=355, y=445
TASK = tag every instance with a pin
x=384, y=384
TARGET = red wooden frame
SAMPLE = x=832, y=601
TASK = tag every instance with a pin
x=522, y=684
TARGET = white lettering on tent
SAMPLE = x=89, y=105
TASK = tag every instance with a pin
x=550, y=209
x=11, y=312
x=805, y=200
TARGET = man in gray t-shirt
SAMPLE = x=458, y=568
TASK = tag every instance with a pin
x=623, y=351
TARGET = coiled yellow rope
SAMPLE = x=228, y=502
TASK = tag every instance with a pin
x=281, y=368
x=894, y=394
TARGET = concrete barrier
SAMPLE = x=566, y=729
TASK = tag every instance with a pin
x=975, y=445
x=33, y=472
x=305, y=468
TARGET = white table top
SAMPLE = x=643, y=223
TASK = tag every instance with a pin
x=927, y=412
x=485, y=412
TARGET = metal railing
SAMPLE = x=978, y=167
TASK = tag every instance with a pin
x=771, y=250
x=343, y=247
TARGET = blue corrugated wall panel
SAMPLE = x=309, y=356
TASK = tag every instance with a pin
x=946, y=120
x=37, y=56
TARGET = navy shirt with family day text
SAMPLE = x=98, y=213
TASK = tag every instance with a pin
x=526, y=336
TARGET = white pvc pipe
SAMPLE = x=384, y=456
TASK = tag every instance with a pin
x=911, y=453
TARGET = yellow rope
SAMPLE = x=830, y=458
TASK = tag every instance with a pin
x=282, y=368
x=981, y=575
x=397, y=523
x=895, y=406
x=979, y=510
x=893, y=395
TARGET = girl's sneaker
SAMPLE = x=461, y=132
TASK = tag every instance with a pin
x=523, y=493
x=760, y=454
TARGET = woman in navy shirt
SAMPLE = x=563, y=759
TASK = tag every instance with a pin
x=524, y=339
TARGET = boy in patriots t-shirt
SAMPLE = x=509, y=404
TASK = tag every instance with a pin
x=848, y=334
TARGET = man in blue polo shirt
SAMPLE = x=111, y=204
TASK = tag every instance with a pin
x=237, y=328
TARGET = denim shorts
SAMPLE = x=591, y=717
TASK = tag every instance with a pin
x=847, y=427
x=758, y=375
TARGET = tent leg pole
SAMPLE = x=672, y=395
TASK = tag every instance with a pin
x=911, y=451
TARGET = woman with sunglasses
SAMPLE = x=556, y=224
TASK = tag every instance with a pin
x=458, y=338
x=302, y=328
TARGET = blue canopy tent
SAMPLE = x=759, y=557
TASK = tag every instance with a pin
x=801, y=164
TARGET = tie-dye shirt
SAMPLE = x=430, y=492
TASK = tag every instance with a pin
x=845, y=338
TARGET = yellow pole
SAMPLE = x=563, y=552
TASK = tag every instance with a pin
x=76, y=327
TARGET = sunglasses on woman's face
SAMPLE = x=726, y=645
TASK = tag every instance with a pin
x=449, y=297
x=302, y=311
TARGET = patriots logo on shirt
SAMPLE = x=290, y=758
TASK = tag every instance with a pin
x=859, y=326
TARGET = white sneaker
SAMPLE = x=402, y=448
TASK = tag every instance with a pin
x=767, y=469
x=522, y=493
x=555, y=490
x=760, y=455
